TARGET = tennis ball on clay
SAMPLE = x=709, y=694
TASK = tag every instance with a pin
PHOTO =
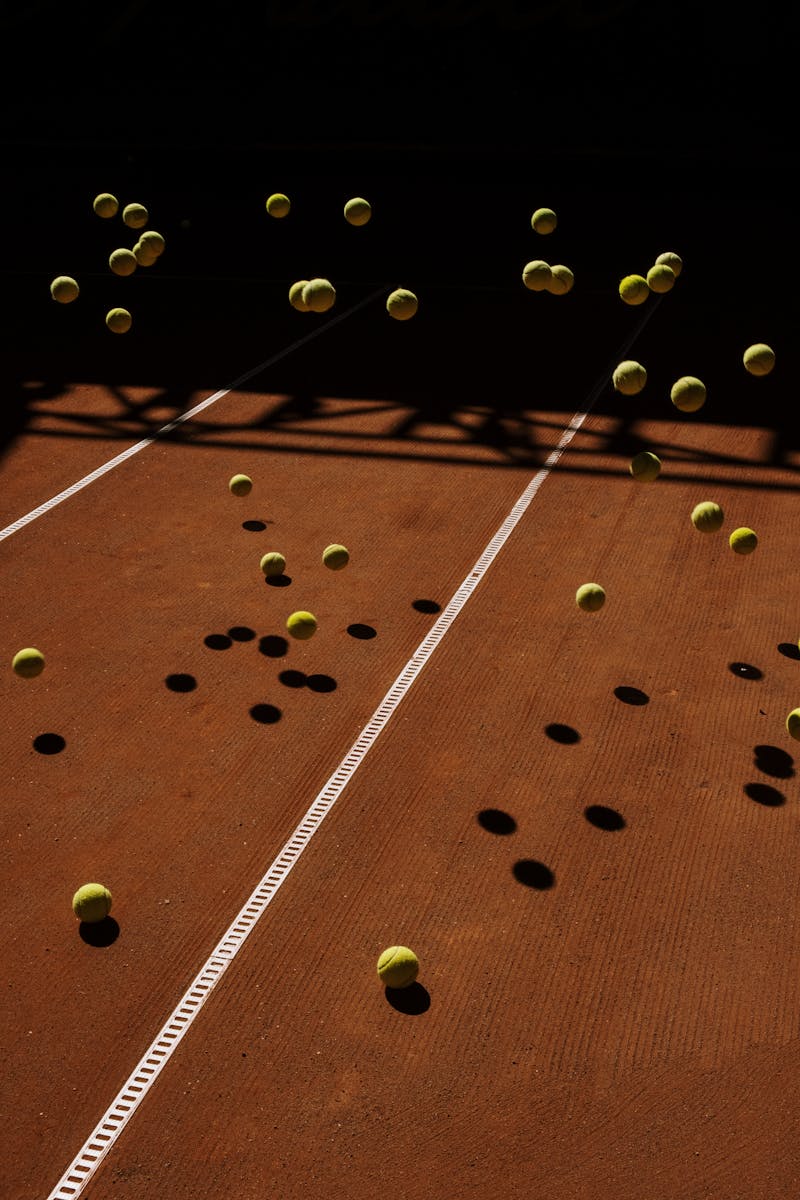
x=793, y=723
x=122, y=261
x=319, y=295
x=119, y=320
x=296, y=296
x=398, y=967
x=536, y=275
x=743, y=540
x=64, y=289
x=335, y=556
x=634, y=289
x=273, y=563
x=561, y=280
x=145, y=257
x=135, y=216
x=629, y=377
x=590, y=597
x=105, y=205
x=670, y=259
x=357, y=211
x=544, y=220
x=302, y=625
x=645, y=466
x=91, y=903
x=660, y=278
x=28, y=663
x=154, y=241
x=401, y=304
x=759, y=359
x=240, y=485
x=278, y=205
x=707, y=516
x=688, y=393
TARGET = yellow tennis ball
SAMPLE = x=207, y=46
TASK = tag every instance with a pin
x=398, y=967
x=357, y=211
x=670, y=259
x=536, y=275
x=105, y=205
x=634, y=289
x=544, y=220
x=707, y=516
x=135, y=216
x=759, y=359
x=645, y=466
x=319, y=295
x=145, y=257
x=122, y=261
x=154, y=241
x=28, y=663
x=91, y=903
x=64, y=289
x=660, y=278
x=590, y=597
x=335, y=556
x=743, y=540
x=688, y=393
x=296, y=296
x=273, y=563
x=401, y=304
x=119, y=320
x=561, y=280
x=302, y=625
x=629, y=377
x=278, y=205
x=240, y=485
x=793, y=723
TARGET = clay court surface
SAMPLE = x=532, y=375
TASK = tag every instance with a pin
x=585, y=825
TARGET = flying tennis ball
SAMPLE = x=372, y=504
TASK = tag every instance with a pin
x=398, y=967
x=670, y=259
x=536, y=275
x=105, y=205
x=296, y=296
x=278, y=205
x=707, y=516
x=634, y=289
x=645, y=466
x=91, y=903
x=118, y=320
x=743, y=541
x=144, y=256
x=122, y=261
x=561, y=280
x=335, y=556
x=28, y=663
x=240, y=485
x=759, y=359
x=401, y=304
x=629, y=377
x=302, y=625
x=660, y=278
x=154, y=241
x=319, y=295
x=273, y=563
x=357, y=211
x=64, y=289
x=688, y=393
x=590, y=597
x=544, y=220
x=793, y=723
x=135, y=216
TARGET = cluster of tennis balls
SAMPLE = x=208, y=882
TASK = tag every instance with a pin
x=659, y=278
x=540, y=276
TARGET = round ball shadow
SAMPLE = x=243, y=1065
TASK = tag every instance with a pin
x=265, y=714
x=631, y=695
x=774, y=761
x=533, y=874
x=603, y=817
x=218, y=641
x=292, y=679
x=99, y=933
x=762, y=793
x=494, y=820
x=321, y=683
x=180, y=682
x=48, y=743
x=273, y=646
x=743, y=670
x=254, y=526
x=361, y=631
x=426, y=606
x=564, y=734
x=241, y=633
x=789, y=650
x=277, y=580
x=411, y=1000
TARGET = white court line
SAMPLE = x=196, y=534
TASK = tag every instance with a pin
x=116, y=1117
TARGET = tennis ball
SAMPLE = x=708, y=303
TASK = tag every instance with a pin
x=240, y=485
x=660, y=278
x=634, y=289
x=688, y=393
x=91, y=903
x=154, y=241
x=319, y=295
x=64, y=289
x=793, y=723
x=302, y=625
x=122, y=261
x=561, y=280
x=273, y=563
x=135, y=216
x=118, y=320
x=401, y=304
x=278, y=205
x=743, y=541
x=670, y=259
x=105, y=205
x=645, y=466
x=536, y=275
x=629, y=377
x=144, y=256
x=335, y=556
x=296, y=296
x=590, y=597
x=707, y=516
x=357, y=211
x=28, y=663
x=398, y=967
x=544, y=220
x=759, y=359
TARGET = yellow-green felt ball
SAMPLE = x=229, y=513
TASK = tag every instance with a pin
x=335, y=556
x=743, y=540
x=660, y=278
x=590, y=597
x=154, y=241
x=688, y=393
x=144, y=255
x=135, y=216
x=670, y=259
x=645, y=466
x=707, y=516
x=319, y=295
x=273, y=563
x=91, y=903
x=793, y=724
x=296, y=296
x=536, y=275
x=105, y=205
x=240, y=485
x=64, y=289
x=402, y=304
x=561, y=281
x=759, y=359
x=122, y=261
x=544, y=220
x=629, y=377
x=119, y=320
x=357, y=211
x=398, y=967
x=278, y=204
x=634, y=289
x=28, y=662
x=301, y=625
